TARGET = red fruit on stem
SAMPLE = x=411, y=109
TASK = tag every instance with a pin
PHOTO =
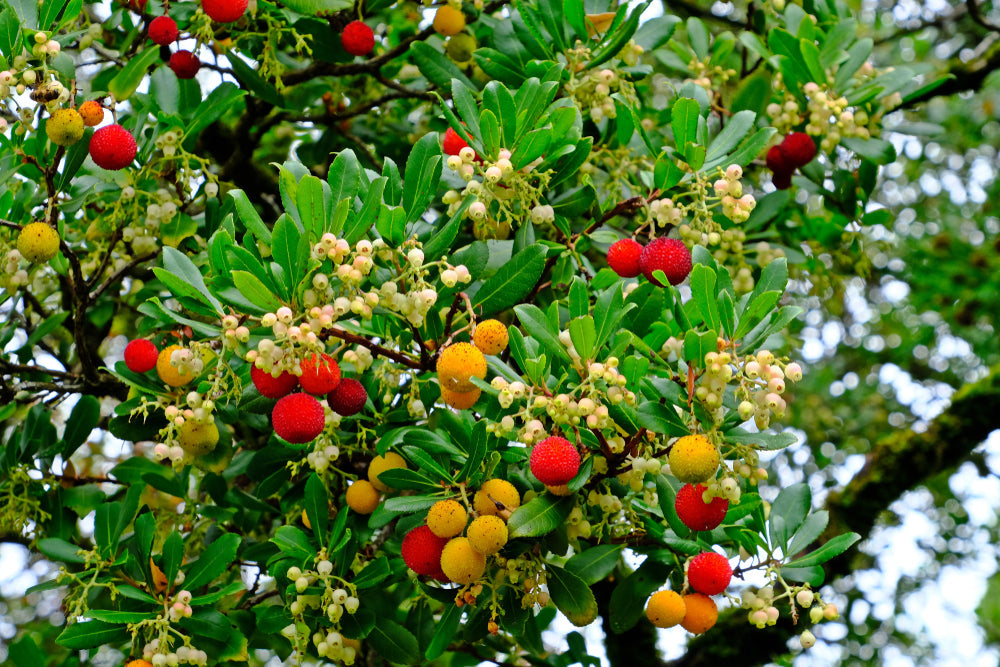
x=422, y=551
x=709, y=573
x=113, y=147
x=776, y=160
x=224, y=11
x=695, y=513
x=798, y=149
x=273, y=387
x=298, y=418
x=320, y=374
x=348, y=398
x=668, y=255
x=141, y=355
x=782, y=180
x=358, y=39
x=554, y=461
x=623, y=257
x=452, y=144
x=184, y=64
x=163, y=30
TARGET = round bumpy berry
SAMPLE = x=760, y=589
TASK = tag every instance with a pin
x=623, y=257
x=271, y=386
x=362, y=497
x=798, y=149
x=496, y=496
x=65, y=127
x=184, y=64
x=701, y=613
x=491, y=337
x=92, y=113
x=665, y=609
x=298, y=418
x=357, y=38
x=224, y=11
x=709, y=573
x=447, y=518
x=198, y=438
x=457, y=364
x=320, y=374
x=460, y=562
x=695, y=513
x=38, y=242
x=141, y=355
x=554, y=461
x=448, y=21
x=460, y=400
x=422, y=551
x=113, y=147
x=452, y=144
x=168, y=372
x=348, y=397
x=487, y=534
x=694, y=459
x=380, y=464
x=668, y=255
x=163, y=30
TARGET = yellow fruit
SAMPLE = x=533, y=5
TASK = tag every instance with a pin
x=457, y=364
x=38, y=242
x=449, y=21
x=460, y=562
x=92, y=113
x=701, y=613
x=198, y=438
x=460, y=47
x=169, y=373
x=495, y=491
x=380, y=464
x=490, y=337
x=460, y=400
x=694, y=459
x=665, y=609
x=65, y=127
x=362, y=497
x=447, y=518
x=488, y=534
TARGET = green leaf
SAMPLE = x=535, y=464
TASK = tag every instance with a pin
x=251, y=219
x=477, y=451
x=703, y=292
x=595, y=563
x=437, y=68
x=91, y=634
x=540, y=516
x=666, y=492
x=254, y=289
x=391, y=224
x=344, y=178
x=831, y=549
x=791, y=506
x=759, y=307
x=258, y=85
x=423, y=172
x=61, y=550
x=444, y=631
x=512, y=282
x=698, y=37
x=27, y=12
x=311, y=204
x=401, y=478
x=222, y=99
x=317, y=506
x=736, y=130
x=571, y=595
x=112, y=616
x=25, y=653
x=752, y=146
x=180, y=265
x=584, y=336
x=660, y=418
x=489, y=126
x=628, y=601
x=426, y=464
x=213, y=561
x=684, y=121
x=373, y=574
x=173, y=554
x=808, y=532
x=499, y=65
x=394, y=642
x=538, y=327
x=812, y=575
x=878, y=151
x=765, y=441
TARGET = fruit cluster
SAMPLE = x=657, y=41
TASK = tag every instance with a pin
x=628, y=258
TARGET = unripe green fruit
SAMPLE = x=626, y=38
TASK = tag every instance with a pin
x=198, y=438
x=460, y=47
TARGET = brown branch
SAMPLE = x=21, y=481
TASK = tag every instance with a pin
x=377, y=349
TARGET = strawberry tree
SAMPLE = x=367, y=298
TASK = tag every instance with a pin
x=386, y=395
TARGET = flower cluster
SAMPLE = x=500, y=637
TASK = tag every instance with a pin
x=319, y=589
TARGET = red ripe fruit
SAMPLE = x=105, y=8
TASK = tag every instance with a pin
x=776, y=160
x=422, y=551
x=113, y=147
x=709, y=573
x=782, y=180
x=799, y=149
x=623, y=257
x=555, y=461
x=668, y=255
x=163, y=30
x=297, y=418
x=348, y=398
x=273, y=387
x=141, y=355
x=452, y=143
x=224, y=11
x=184, y=64
x=695, y=513
x=357, y=38
x=320, y=374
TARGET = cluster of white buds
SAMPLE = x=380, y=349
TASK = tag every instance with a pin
x=452, y=275
x=180, y=607
x=167, y=142
x=709, y=76
x=664, y=212
x=333, y=602
x=360, y=357
x=159, y=655
x=543, y=214
x=577, y=525
x=762, y=382
x=233, y=332
x=761, y=603
x=831, y=117
x=13, y=276
x=735, y=205
x=320, y=458
x=592, y=92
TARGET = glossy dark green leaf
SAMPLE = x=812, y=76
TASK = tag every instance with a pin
x=596, y=563
x=91, y=634
x=512, y=282
x=540, y=516
x=571, y=595
x=831, y=549
x=394, y=642
x=317, y=506
x=131, y=75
